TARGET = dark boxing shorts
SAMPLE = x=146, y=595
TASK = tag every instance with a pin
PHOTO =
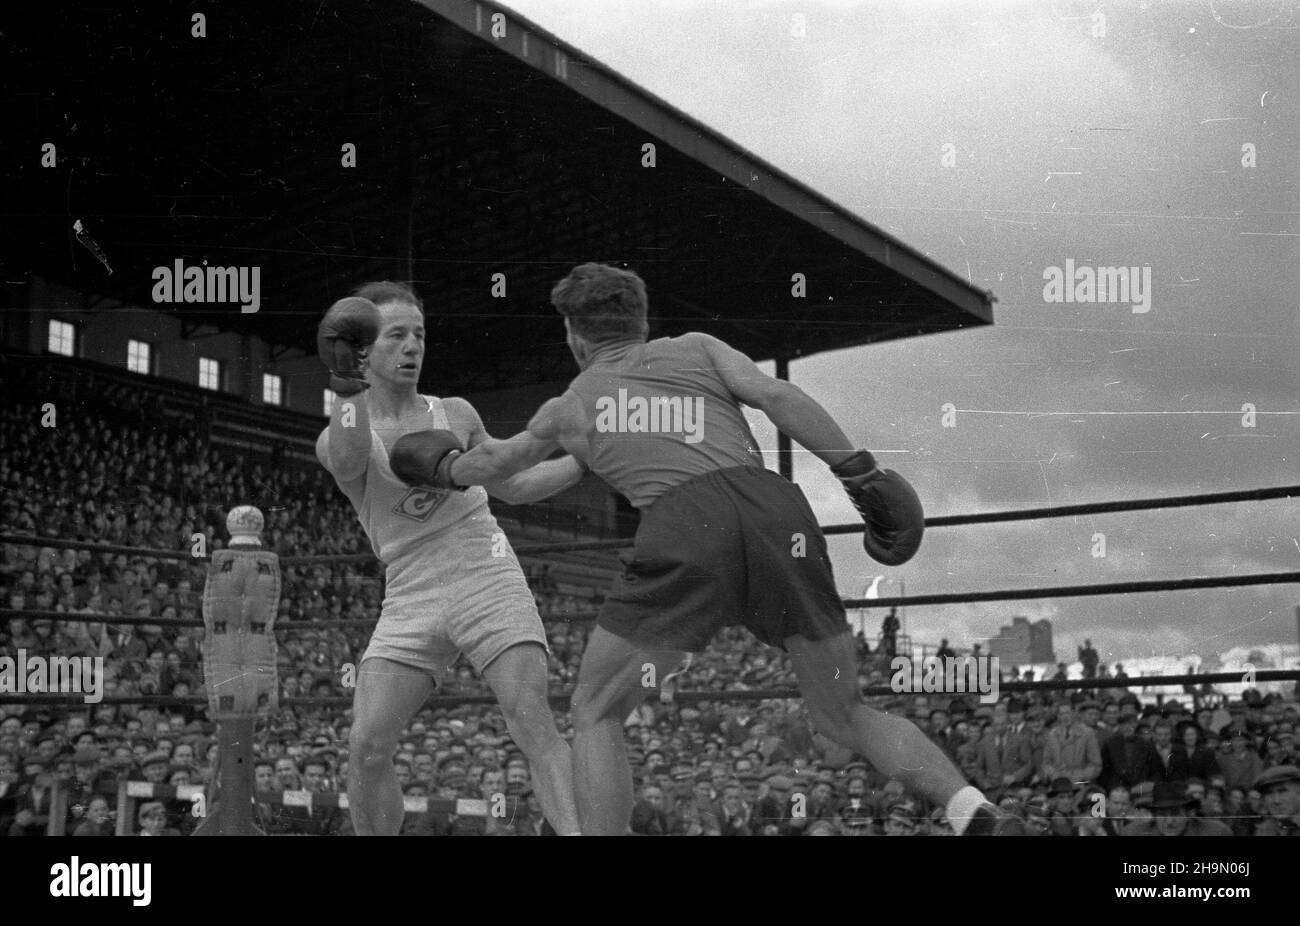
x=723, y=549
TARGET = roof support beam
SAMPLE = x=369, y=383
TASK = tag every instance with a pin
x=784, y=451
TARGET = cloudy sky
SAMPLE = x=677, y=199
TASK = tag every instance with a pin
x=1123, y=147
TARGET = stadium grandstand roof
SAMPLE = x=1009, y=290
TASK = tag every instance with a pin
x=483, y=145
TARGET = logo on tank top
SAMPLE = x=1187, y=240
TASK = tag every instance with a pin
x=418, y=504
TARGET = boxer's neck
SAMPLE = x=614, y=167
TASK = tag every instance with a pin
x=393, y=400
x=608, y=351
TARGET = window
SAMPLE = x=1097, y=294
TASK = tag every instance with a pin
x=209, y=373
x=63, y=338
x=271, y=389
x=139, y=356
x=329, y=402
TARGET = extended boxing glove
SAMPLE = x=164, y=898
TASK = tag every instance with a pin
x=423, y=458
x=343, y=339
x=889, y=506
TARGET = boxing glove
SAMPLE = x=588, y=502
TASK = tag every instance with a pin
x=423, y=458
x=343, y=339
x=889, y=506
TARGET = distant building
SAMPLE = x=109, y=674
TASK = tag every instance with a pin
x=1023, y=643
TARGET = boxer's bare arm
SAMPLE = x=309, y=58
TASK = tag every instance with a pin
x=532, y=482
x=344, y=447
x=556, y=426
x=792, y=410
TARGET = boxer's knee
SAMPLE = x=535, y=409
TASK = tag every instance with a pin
x=519, y=680
x=593, y=705
x=369, y=751
x=528, y=715
x=834, y=713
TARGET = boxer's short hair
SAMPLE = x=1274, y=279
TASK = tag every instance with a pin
x=383, y=291
x=602, y=303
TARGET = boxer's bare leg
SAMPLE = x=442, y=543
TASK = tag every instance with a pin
x=828, y=679
x=519, y=679
x=388, y=695
x=609, y=689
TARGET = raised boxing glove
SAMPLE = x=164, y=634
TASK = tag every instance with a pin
x=423, y=458
x=343, y=340
x=889, y=506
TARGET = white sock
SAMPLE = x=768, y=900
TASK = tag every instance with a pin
x=962, y=806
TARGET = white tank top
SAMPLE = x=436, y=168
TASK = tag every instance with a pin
x=400, y=520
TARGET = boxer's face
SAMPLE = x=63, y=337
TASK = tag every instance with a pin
x=396, y=358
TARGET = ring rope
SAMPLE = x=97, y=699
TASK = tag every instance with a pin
x=1019, y=594
x=988, y=517
x=695, y=697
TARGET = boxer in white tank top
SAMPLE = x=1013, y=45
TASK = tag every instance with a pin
x=453, y=585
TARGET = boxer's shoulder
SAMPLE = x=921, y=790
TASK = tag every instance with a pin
x=562, y=416
x=463, y=420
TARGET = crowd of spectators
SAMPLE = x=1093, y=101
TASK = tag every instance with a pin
x=1071, y=763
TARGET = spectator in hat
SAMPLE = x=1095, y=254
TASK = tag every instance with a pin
x=1036, y=727
x=1237, y=713
x=153, y=820
x=154, y=766
x=889, y=628
x=1127, y=758
x=735, y=811
x=686, y=818
x=34, y=796
x=1090, y=716
x=857, y=820
x=1061, y=808
x=1089, y=658
x=98, y=819
x=1193, y=756
x=1172, y=764
x=941, y=733
x=903, y=818
x=774, y=807
x=529, y=819
x=1004, y=759
x=1119, y=805
x=1036, y=816
x=821, y=828
x=1214, y=805
x=1280, y=790
x=1170, y=816
x=82, y=786
x=1205, y=720
x=1071, y=749
x=649, y=813
x=1241, y=766
x=264, y=776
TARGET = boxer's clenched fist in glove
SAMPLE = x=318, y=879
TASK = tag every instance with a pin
x=889, y=506
x=423, y=458
x=344, y=337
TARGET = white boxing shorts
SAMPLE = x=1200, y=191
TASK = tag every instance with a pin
x=449, y=596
